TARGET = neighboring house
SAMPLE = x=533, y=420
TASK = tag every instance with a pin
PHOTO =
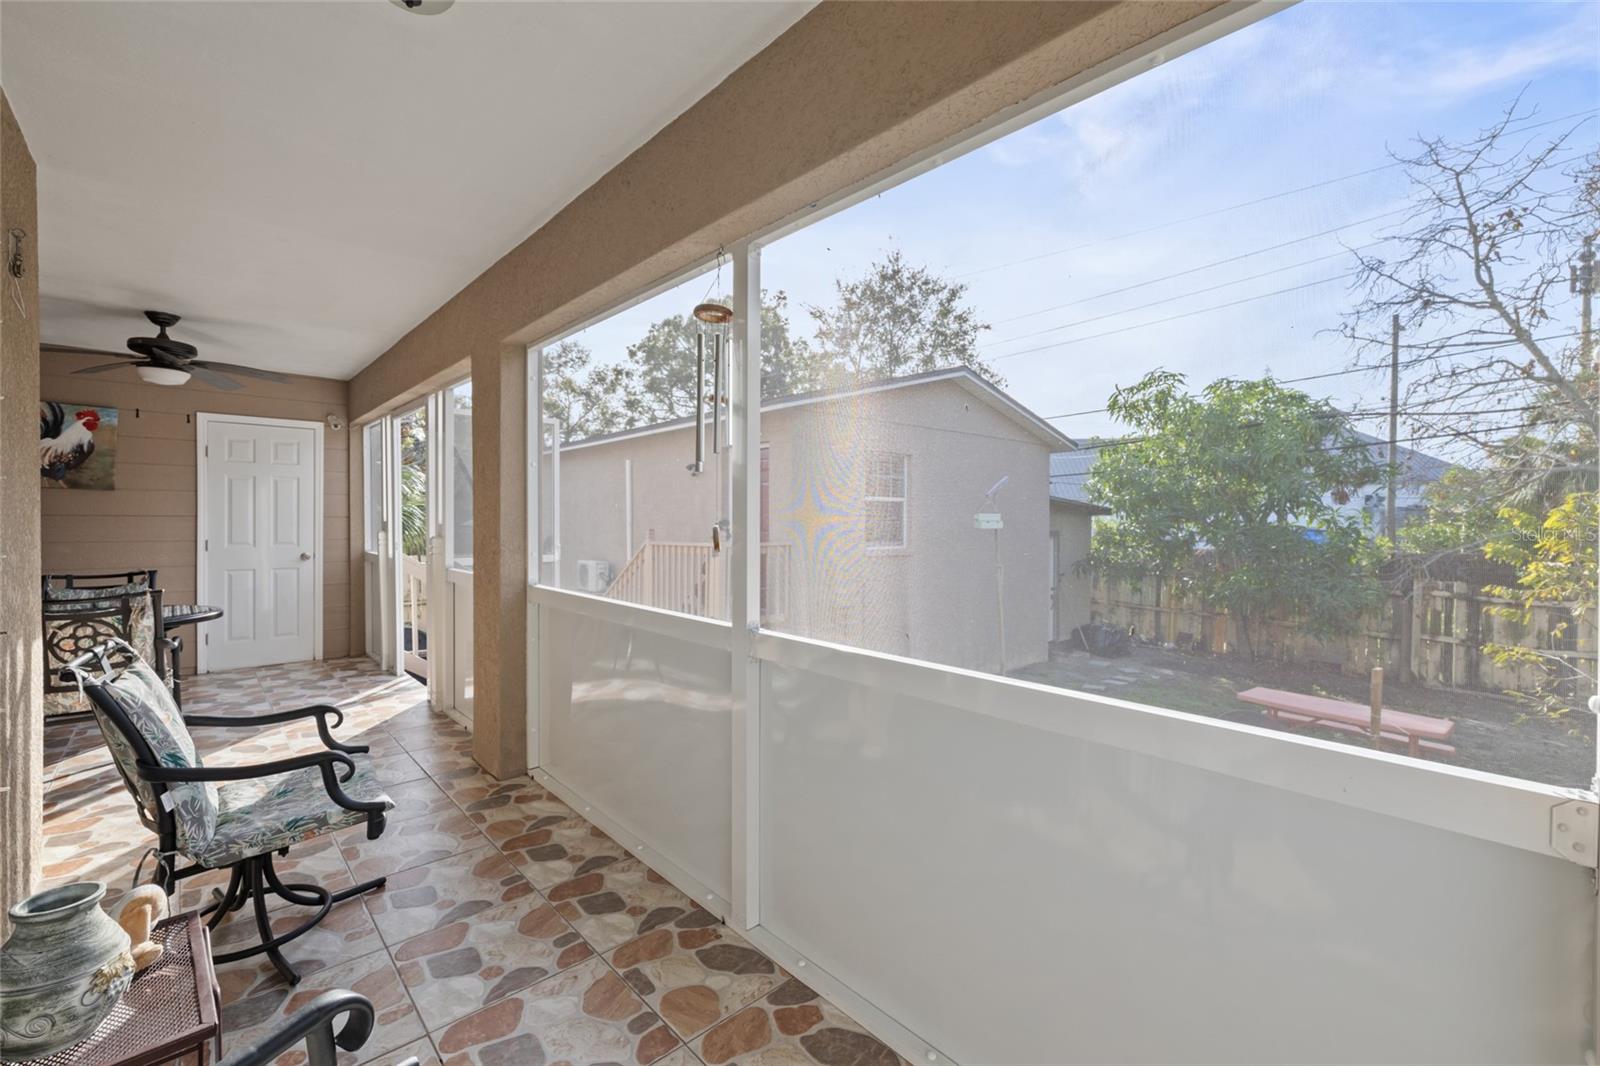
x=1071, y=519
x=1417, y=472
x=868, y=503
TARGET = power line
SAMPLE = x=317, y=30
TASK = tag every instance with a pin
x=1171, y=318
x=1177, y=221
x=1513, y=428
x=1365, y=369
x=1414, y=412
x=1174, y=318
x=1207, y=266
x=1588, y=112
x=1182, y=295
x=1233, y=259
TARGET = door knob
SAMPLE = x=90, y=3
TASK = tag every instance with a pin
x=305, y=557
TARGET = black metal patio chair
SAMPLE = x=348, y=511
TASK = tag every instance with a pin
x=76, y=619
x=313, y=1024
x=61, y=587
x=229, y=817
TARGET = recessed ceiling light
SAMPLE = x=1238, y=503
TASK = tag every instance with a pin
x=423, y=7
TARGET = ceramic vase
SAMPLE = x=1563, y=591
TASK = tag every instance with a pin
x=64, y=968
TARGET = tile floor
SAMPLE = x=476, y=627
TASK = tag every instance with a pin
x=511, y=932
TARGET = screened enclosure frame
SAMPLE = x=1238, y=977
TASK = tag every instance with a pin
x=1518, y=814
x=383, y=557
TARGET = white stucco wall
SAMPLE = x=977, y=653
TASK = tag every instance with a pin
x=935, y=599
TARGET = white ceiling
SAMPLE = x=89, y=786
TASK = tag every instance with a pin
x=304, y=182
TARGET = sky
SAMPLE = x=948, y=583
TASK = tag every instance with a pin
x=1067, y=232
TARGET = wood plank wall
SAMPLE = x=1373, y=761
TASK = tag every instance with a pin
x=149, y=519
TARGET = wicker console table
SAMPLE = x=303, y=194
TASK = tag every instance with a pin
x=171, y=1011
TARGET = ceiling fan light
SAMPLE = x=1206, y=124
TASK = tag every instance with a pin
x=162, y=375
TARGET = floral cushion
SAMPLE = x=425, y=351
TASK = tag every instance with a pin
x=59, y=592
x=147, y=703
x=267, y=813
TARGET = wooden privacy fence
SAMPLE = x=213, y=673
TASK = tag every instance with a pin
x=1437, y=633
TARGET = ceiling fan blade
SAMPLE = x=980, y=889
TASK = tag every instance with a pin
x=234, y=368
x=72, y=349
x=211, y=377
x=102, y=368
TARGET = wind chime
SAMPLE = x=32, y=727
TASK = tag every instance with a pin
x=714, y=318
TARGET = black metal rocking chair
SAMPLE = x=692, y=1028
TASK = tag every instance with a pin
x=232, y=817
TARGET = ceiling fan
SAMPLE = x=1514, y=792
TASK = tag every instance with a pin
x=160, y=360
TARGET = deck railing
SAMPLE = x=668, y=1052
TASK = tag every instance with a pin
x=414, y=614
x=693, y=579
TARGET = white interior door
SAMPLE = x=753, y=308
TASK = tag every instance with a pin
x=260, y=525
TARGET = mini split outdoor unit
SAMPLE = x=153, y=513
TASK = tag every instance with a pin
x=594, y=575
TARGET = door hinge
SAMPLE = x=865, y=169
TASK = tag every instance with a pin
x=208, y=451
x=208, y=544
x=1575, y=831
x=208, y=639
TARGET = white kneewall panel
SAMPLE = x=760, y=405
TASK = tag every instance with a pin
x=1019, y=895
x=638, y=724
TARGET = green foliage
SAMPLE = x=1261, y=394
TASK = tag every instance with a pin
x=1462, y=515
x=413, y=511
x=656, y=383
x=414, y=486
x=900, y=319
x=895, y=320
x=1557, y=565
x=1226, y=493
x=588, y=400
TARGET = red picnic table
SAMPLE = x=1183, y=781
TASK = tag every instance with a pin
x=1416, y=731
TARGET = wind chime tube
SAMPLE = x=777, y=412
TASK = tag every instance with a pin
x=699, y=463
x=716, y=393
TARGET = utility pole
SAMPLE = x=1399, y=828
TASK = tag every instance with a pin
x=1582, y=283
x=1391, y=523
x=1390, y=528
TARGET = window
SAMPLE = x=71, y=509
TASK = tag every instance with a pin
x=1157, y=330
x=634, y=468
x=885, y=501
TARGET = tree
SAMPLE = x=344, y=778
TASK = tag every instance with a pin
x=1479, y=278
x=414, y=486
x=1472, y=508
x=789, y=366
x=1557, y=566
x=656, y=382
x=1228, y=494
x=899, y=319
x=588, y=400
x=896, y=320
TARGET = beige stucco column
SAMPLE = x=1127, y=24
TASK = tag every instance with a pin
x=499, y=558
x=21, y=642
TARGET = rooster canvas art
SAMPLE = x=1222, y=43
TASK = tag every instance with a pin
x=77, y=445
